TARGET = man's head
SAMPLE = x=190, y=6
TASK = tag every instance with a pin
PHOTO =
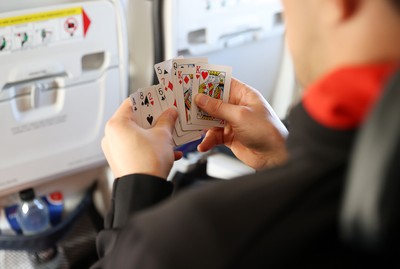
x=326, y=34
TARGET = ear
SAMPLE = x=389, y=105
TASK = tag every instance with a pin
x=338, y=11
x=347, y=8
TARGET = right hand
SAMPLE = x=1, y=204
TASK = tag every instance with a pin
x=253, y=131
x=130, y=149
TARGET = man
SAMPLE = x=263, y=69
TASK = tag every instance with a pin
x=286, y=214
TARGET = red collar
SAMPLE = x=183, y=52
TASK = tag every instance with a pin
x=343, y=98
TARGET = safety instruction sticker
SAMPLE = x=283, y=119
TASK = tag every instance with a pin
x=43, y=28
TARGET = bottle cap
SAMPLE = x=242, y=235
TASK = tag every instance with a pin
x=27, y=195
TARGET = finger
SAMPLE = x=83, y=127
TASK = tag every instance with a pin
x=167, y=119
x=214, y=137
x=240, y=90
x=124, y=110
x=236, y=90
x=178, y=155
x=217, y=108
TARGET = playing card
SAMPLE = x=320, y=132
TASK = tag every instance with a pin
x=163, y=71
x=214, y=81
x=135, y=108
x=187, y=62
x=178, y=140
x=183, y=92
x=149, y=107
x=171, y=101
x=182, y=82
x=188, y=137
x=164, y=103
x=162, y=97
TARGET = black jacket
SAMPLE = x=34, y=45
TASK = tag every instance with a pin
x=285, y=217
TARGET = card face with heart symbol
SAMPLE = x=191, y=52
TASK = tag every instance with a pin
x=184, y=84
x=182, y=74
x=180, y=80
x=164, y=74
x=214, y=81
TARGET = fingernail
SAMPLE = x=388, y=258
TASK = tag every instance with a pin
x=201, y=100
x=173, y=112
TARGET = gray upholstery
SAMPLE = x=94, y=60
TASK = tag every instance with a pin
x=371, y=208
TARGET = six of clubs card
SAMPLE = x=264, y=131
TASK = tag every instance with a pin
x=180, y=81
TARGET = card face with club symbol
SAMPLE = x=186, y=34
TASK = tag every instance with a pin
x=180, y=80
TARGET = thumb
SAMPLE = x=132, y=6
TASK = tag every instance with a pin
x=215, y=107
x=167, y=119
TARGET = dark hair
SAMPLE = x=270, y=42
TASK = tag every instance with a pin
x=396, y=3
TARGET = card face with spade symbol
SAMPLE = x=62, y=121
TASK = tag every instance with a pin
x=134, y=98
x=163, y=71
x=150, y=108
x=162, y=97
x=164, y=74
x=179, y=81
x=186, y=137
x=214, y=81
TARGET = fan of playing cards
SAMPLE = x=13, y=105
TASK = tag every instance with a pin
x=180, y=80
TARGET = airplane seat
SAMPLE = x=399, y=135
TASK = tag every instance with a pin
x=370, y=213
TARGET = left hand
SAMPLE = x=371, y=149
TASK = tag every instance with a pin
x=130, y=149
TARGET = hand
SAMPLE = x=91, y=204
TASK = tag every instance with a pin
x=253, y=131
x=131, y=149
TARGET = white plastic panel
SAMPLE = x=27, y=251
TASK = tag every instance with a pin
x=207, y=25
x=245, y=34
x=57, y=94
